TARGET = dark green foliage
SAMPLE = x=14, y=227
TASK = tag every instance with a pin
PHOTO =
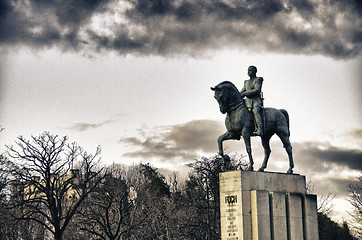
x=329, y=229
x=152, y=204
x=202, y=191
x=155, y=182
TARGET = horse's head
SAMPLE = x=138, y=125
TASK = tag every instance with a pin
x=221, y=97
x=226, y=95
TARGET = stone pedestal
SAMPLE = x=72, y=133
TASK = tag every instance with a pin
x=266, y=206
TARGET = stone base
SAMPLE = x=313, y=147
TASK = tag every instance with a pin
x=264, y=205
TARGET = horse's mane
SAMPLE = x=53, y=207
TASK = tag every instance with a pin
x=230, y=84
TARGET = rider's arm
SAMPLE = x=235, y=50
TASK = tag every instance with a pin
x=243, y=90
x=256, y=91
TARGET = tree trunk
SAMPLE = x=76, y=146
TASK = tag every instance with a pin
x=58, y=236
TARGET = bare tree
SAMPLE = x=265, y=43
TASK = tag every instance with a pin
x=108, y=213
x=51, y=179
x=7, y=231
x=8, y=228
x=355, y=198
x=324, y=201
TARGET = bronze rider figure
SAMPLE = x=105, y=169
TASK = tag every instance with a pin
x=253, y=101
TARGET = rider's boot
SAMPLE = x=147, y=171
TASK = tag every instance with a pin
x=258, y=124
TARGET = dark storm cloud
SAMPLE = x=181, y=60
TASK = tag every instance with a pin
x=336, y=185
x=181, y=27
x=152, y=147
x=43, y=23
x=196, y=135
x=177, y=142
x=324, y=157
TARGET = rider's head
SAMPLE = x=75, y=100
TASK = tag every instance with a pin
x=252, y=71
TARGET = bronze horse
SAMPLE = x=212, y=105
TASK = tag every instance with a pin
x=239, y=123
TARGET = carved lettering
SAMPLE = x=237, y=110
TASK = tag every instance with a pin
x=231, y=210
x=231, y=199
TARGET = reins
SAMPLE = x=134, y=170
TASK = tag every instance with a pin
x=235, y=106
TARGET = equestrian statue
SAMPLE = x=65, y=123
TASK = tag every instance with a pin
x=247, y=117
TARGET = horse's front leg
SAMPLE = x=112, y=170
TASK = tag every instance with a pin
x=225, y=136
x=246, y=137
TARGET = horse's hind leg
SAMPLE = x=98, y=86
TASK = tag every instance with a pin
x=246, y=138
x=288, y=149
x=265, y=142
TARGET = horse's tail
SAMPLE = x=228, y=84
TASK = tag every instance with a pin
x=285, y=113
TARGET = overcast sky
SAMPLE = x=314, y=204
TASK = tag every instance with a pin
x=134, y=76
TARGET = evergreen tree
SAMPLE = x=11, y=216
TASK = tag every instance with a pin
x=329, y=229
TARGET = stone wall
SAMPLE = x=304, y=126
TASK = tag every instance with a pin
x=264, y=205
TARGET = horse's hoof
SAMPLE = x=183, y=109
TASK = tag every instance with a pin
x=261, y=169
x=250, y=168
x=290, y=171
